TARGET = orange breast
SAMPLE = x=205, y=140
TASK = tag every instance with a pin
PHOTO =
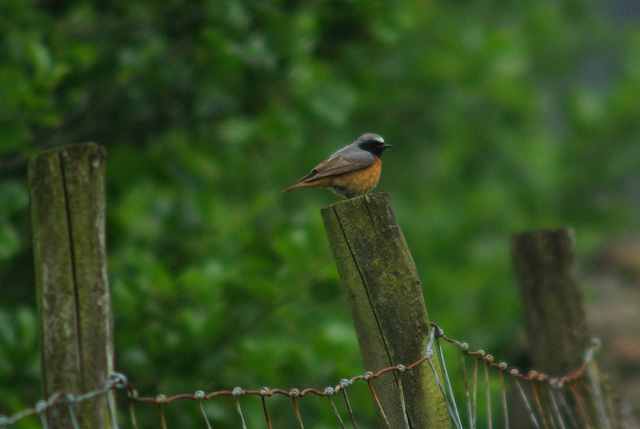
x=359, y=181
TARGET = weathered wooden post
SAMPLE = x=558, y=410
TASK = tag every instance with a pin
x=545, y=262
x=68, y=215
x=385, y=297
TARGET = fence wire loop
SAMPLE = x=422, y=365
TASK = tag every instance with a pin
x=41, y=406
x=439, y=332
x=429, y=352
x=120, y=381
x=294, y=393
x=550, y=402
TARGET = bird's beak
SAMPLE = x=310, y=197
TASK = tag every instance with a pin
x=387, y=145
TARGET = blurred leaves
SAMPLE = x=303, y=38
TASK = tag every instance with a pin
x=504, y=116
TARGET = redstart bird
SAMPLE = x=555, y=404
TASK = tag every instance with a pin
x=350, y=171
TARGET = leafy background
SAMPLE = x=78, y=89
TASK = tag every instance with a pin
x=505, y=116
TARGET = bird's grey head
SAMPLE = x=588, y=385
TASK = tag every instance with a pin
x=371, y=136
x=373, y=143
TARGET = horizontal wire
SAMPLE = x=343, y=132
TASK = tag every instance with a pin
x=120, y=381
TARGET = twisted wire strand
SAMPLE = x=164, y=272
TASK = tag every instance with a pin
x=566, y=383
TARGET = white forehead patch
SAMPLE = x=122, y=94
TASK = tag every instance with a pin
x=372, y=136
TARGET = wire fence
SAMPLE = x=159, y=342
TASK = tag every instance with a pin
x=478, y=400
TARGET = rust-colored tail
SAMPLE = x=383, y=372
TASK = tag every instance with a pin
x=324, y=182
x=297, y=185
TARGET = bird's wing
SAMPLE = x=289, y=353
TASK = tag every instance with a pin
x=347, y=159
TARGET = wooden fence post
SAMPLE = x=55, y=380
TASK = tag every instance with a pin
x=385, y=297
x=68, y=214
x=544, y=262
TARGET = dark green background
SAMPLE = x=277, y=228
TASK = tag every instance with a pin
x=505, y=116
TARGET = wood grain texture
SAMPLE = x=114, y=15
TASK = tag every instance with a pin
x=385, y=298
x=68, y=214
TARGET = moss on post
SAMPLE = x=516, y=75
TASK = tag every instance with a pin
x=68, y=214
x=385, y=297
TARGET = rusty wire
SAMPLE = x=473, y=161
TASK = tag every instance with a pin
x=546, y=404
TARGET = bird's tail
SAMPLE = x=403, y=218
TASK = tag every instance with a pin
x=290, y=188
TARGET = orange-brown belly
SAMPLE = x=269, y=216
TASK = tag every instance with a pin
x=347, y=184
x=359, y=181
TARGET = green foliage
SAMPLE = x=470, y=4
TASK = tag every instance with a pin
x=504, y=115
